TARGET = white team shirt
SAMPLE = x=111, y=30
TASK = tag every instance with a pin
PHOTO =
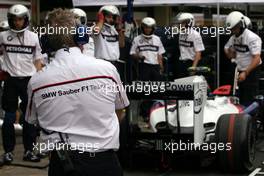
x=1, y=61
x=88, y=49
x=69, y=96
x=150, y=48
x=20, y=53
x=246, y=45
x=106, y=44
x=189, y=43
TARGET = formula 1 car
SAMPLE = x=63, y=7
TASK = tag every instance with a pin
x=184, y=113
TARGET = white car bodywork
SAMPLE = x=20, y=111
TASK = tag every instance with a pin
x=212, y=112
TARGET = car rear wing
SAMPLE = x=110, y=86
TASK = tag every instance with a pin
x=190, y=88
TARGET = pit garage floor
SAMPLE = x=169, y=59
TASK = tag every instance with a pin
x=144, y=165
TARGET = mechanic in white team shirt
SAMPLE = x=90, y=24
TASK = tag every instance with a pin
x=108, y=35
x=70, y=96
x=22, y=58
x=3, y=27
x=148, y=49
x=81, y=18
x=190, y=44
x=245, y=47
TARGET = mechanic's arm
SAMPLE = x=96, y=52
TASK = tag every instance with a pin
x=134, y=52
x=230, y=53
x=38, y=64
x=121, y=32
x=1, y=45
x=160, y=60
x=229, y=50
x=99, y=25
x=198, y=48
x=120, y=114
x=254, y=63
x=31, y=113
x=255, y=49
x=256, y=59
x=197, y=58
x=138, y=56
x=121, y=38
x=121, y=101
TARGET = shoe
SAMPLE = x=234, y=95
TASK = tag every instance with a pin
x=43, y=155
x=8, y=158
x=30, y=156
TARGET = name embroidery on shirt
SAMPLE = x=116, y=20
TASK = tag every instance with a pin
x=185, y=43
x=148, y=48
x=19, y=49
x=110, y=38
x=241, y=48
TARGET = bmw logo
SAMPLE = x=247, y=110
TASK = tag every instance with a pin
x=16, y=10
x=9, y=38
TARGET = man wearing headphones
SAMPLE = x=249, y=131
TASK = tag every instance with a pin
x=3, y=27
x=245, y=47
x=190, y=44
x=78, y=104
x=148, y=49
x=22, y=58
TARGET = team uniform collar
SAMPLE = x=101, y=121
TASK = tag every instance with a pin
x=66, y=51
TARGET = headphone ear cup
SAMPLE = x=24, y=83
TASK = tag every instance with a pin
x=81, y=37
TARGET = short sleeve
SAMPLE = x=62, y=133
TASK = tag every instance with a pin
x=230, y=43
x=255, y=45
x=134, y=46
x=198, y=43
x=161, y=48
x=121, y=97
x=37, y=53
x=1, y=39
x=1, y=42
x=31, y=114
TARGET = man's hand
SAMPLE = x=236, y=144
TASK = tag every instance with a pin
x=141, y=58
x=100, y=17
x=192, y=70
x=230, y=53
x=38, y=64
x=121, y=113
x=161, y=69
x=99, y=25
x=242, y=76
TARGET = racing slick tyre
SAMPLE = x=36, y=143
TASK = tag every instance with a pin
x=238, y=133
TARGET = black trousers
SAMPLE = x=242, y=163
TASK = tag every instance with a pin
x=15, y=87
x=182, y=69
x=87, y=164
x=249, y=88
x=149, y=72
